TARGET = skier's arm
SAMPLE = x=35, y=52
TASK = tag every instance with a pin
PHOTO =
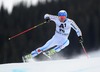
x=49, y=17
x=78, y=31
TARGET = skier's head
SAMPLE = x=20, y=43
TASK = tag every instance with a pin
x=62, y=14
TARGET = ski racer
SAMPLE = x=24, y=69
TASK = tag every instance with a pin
x=60, y=39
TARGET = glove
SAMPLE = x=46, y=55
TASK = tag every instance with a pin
x=80, y=39
x=47, y=19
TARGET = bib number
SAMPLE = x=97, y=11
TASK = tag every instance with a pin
x=61, y=28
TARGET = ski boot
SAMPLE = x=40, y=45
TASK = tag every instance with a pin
x=49, y=53
x=27, y=58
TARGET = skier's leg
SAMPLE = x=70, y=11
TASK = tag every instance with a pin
x=49, y=44
x=57, y=48
x=60, y=47
x=36, y=52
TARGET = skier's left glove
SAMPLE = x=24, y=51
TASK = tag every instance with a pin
x=80, y=39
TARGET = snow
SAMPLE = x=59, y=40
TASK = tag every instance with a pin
x=79, y=64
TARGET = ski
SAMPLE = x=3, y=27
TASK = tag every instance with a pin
x=44, y=53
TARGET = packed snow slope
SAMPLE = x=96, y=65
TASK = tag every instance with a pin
x=79, y=64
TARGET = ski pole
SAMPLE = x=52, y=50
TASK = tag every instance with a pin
x=26, y=30
x=84, y=49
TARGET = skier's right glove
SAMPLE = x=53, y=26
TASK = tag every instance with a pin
x=80, y=39
x=47, y=19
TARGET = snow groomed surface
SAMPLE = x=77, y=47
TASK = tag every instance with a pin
x=70, y=65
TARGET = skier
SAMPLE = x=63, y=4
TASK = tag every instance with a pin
x=60, y=39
